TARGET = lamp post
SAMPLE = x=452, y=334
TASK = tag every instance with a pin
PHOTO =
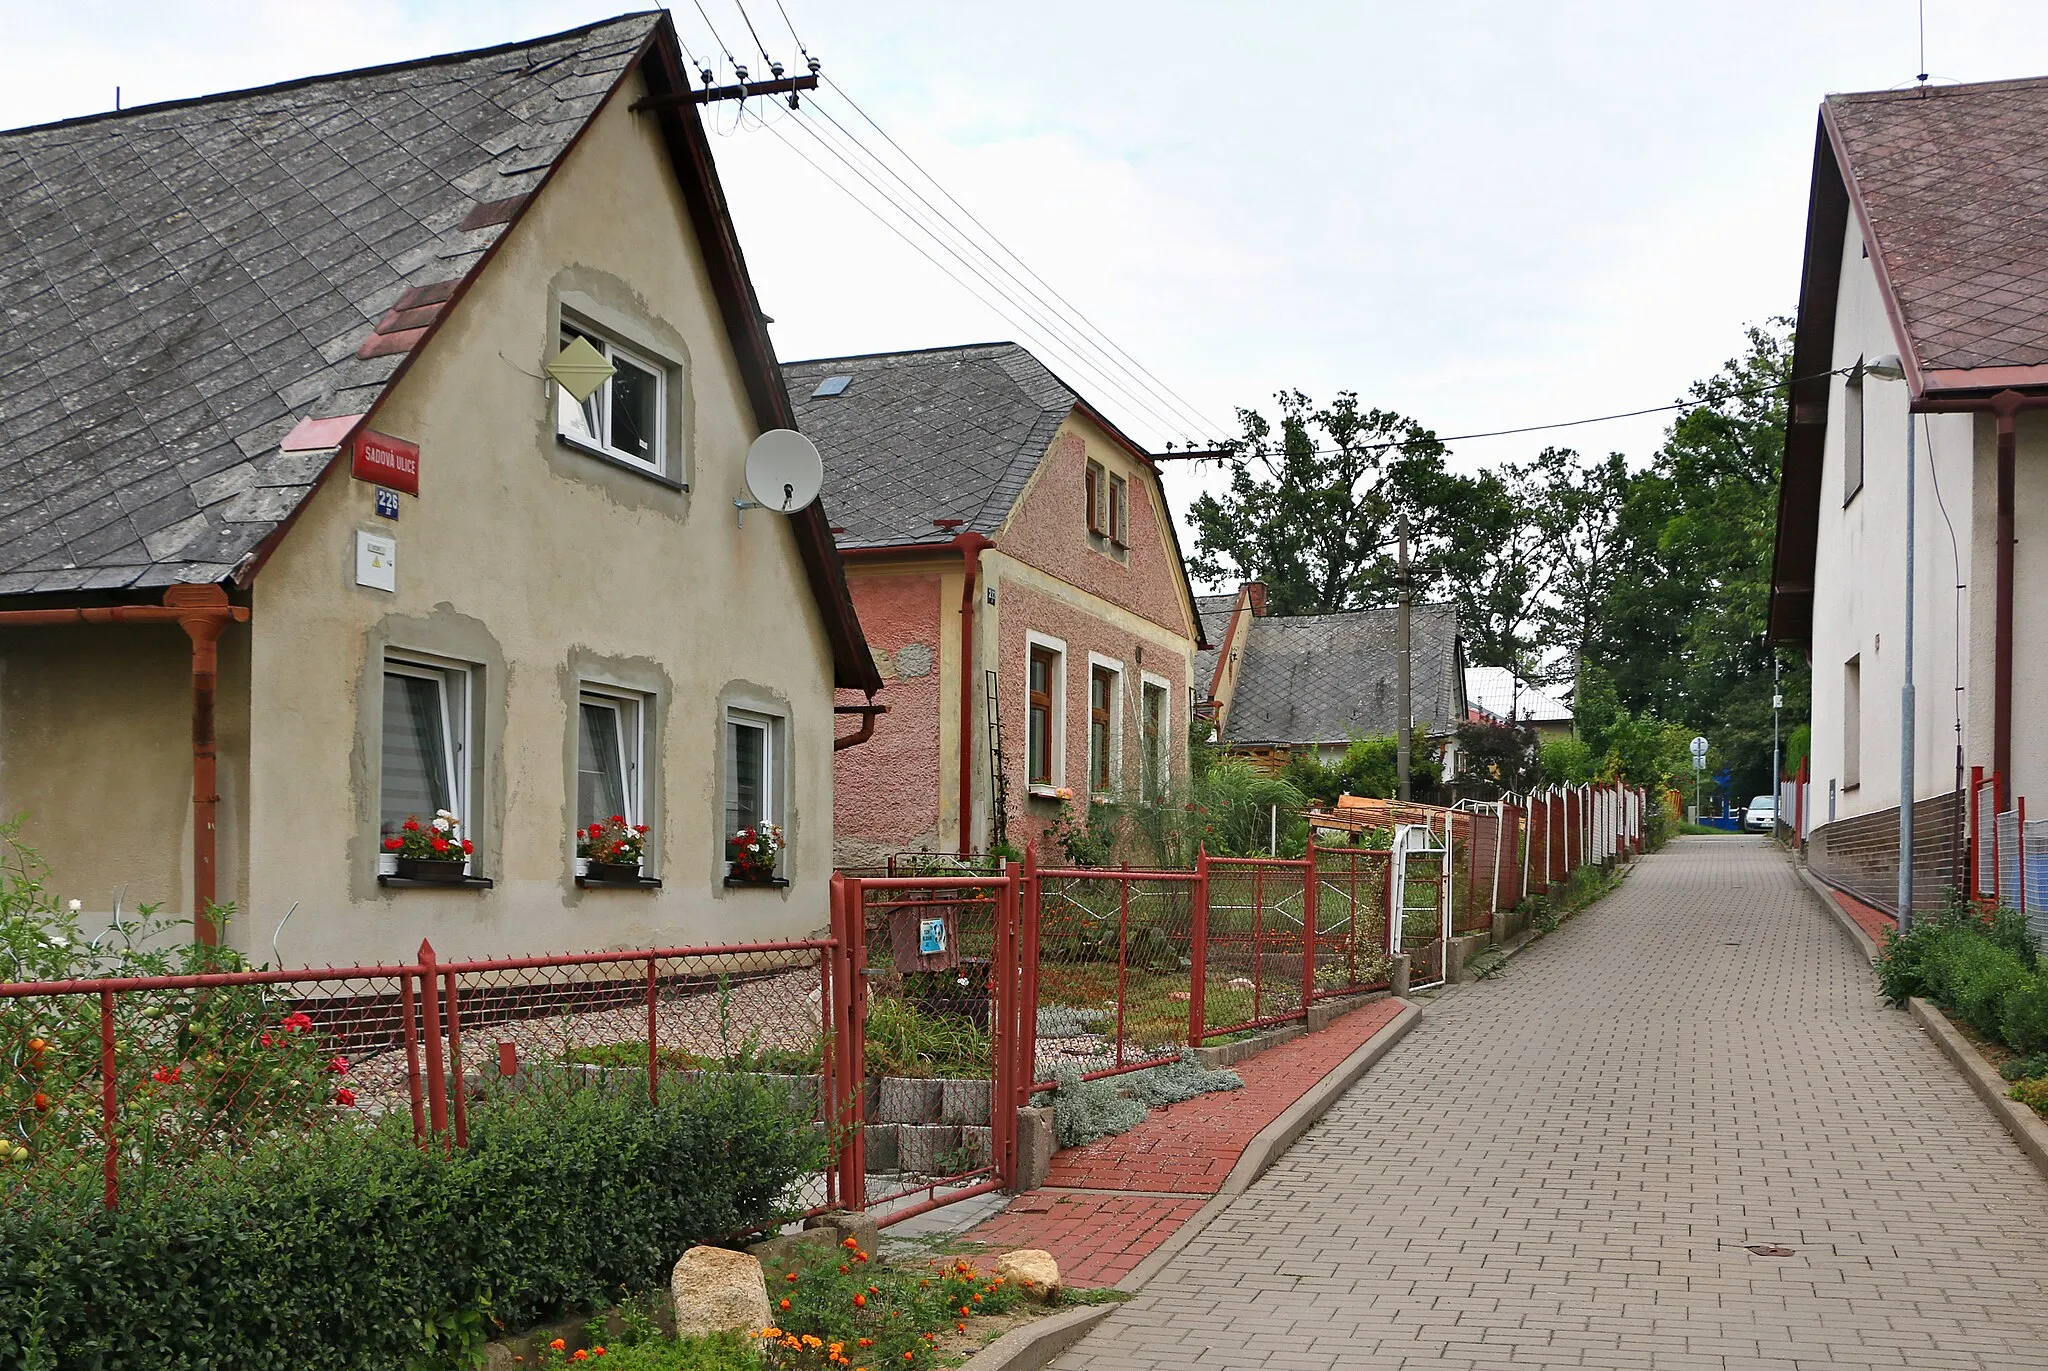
x=1890, y=368
x=1777, y=786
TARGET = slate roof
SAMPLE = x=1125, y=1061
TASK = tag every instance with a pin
x=1320, y=678
x=1954, y=180
x=946, y=433
x=181, y=283
x=1496, y=690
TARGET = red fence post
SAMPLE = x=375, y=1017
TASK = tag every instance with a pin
x=109, y=1101
x=1017, y=1049
x=1308, y=926
x=1976, y=833
x=459, y=1087
x=1123, y=959
x=1198, y=951
x=853, y=1161
x=1028, y=910
x=436, y=1049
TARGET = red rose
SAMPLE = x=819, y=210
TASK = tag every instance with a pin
x=440, y=844
x=345, y=1097
x=393, y=844
x=339, y=1066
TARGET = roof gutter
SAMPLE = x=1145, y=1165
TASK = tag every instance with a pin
x=204, y=613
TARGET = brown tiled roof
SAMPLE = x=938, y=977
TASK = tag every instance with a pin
x=1954, y=183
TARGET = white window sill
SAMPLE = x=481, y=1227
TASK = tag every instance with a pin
x=624, y=463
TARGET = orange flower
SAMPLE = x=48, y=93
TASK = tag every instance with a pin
x=784, y=1306
x=791, y=1278
x=961, y=1326
x=851, y=1244
x=860, y=1301
x=844, y=1269
x=597, y=1351
x=867, y=1342
x=558, y=1344
x=579, y=1355
x=769, y=1333
x=977, y=1299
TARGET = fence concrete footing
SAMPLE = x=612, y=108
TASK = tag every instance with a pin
x=1398, y=978
x=1037, y=1140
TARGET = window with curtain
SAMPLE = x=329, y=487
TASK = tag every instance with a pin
x=749, y=771
x=422, y=744
x=622, y=417
x=607, y=759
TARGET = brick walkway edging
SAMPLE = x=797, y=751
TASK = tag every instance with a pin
x=1275, y=1138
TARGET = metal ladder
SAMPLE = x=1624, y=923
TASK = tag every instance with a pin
x=998, y=779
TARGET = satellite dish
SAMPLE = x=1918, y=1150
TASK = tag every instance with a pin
x=784, y=470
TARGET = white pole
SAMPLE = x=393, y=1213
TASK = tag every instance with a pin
x=1907, y=780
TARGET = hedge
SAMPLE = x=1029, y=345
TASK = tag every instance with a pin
x=353, y=1247
x=1984, y=971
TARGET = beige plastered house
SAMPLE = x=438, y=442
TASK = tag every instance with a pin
x=568, y=618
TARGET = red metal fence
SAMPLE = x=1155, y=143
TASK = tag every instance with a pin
x=936, y=1005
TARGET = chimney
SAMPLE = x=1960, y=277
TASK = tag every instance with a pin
x=1255, y=593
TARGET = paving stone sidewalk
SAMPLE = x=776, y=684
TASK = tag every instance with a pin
x=1566, y=1166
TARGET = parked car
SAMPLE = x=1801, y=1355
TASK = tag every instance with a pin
x=1762, y=814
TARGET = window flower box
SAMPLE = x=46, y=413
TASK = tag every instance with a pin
x=446, y=869
x=612, y=871
x=611, y=851
x=751, y=855
x=431, y=851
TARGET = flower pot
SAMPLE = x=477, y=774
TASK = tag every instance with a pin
x=431, y=869
x=612, y=871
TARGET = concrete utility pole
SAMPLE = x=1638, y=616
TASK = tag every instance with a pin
x=1405, y=647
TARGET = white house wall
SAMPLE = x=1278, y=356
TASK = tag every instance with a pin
x=1860, y=574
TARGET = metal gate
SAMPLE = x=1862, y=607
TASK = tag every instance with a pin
x=1418, y=900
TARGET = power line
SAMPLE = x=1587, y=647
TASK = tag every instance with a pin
x=794, y=39
x=1036, y=323
x=1037, y=310
x=1077, y=335
x=1741, y=392
x=774, y=67
x=718, y=38
x=870, y=120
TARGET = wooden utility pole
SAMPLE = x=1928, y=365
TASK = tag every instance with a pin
x=787, y=85
x=1404, y=646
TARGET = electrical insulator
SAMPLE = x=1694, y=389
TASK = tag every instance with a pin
x=705, y=73
x=740, y=72
x=816, y=66
x=775, y=70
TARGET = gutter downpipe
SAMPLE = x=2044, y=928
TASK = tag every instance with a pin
x=2005, y=407
x=971, y=546
x=868, y=713
x=204, y=613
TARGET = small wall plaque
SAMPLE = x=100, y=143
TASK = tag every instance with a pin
x=387, y=503
x=376, y=561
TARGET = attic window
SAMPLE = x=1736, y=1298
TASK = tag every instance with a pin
x=624, y=417
x=831, y=385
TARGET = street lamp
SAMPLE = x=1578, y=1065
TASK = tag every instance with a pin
x=1890, y=368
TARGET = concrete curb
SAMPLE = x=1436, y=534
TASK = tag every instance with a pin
x=2028, y=1129
x=1853, y=930
x=1038, y=1342
x=1275, y=1138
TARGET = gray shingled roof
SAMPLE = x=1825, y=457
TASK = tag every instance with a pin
x=1320, y=678
x=1956, y=182
x=181, y=283
x=949, y=433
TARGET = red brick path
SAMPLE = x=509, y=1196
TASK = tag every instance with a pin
x=1870, y=919
x=1160, y=1171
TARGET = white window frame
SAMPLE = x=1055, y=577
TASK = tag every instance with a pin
x=613, y=350
x=771, y=758
x=630, y=707
x=1164, y=761
x=1057, y=727
x=1117, y=706
x=458, y=683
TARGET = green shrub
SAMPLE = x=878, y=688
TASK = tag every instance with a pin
x=351, y=1246
x=2032, y=1094
x=2023, y=1017
x=1086, y=1110
x=1178, y=1081
x=2023, y=1068
x=1901, y=965
x=1975, y=974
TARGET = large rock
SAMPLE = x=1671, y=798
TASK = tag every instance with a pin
x=719, y=1291
x=843, y=1225
x=1032, y=1270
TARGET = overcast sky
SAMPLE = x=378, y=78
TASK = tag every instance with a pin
x=1481, y=213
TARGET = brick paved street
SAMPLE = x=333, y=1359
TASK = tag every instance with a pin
x=1564, y=1166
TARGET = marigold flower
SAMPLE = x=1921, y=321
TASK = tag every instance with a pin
x=851, y=1244
x=791, y=1278
x=597, y=1351
x=770, y=1332
x=579, y=1355
x=861, y=1301
x=813, y=1341
x=961, y=1326
x=558, y=1344
x=867, y=1342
